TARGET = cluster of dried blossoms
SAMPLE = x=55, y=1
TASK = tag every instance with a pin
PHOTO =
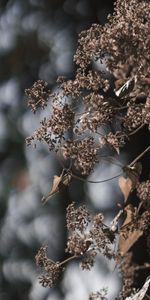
x=87, y=236
x=52, y=269
x=92, y=112
x=87, y=106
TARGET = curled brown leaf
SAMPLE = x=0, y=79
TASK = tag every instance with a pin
x=58, y=183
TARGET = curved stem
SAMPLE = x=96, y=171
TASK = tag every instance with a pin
x=93, y=181
x=136, y=130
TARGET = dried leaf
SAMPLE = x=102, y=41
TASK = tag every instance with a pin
x=129, y=231
x=134, y=173
x=131, y=214
x=127, y=185
x=58, y=183
x=126, y=244
x=55, y=187
x=142, y=293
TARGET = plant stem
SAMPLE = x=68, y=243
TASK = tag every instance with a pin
x=93, y=181
x=139, y=156
x=67, y=260
x=137, y=129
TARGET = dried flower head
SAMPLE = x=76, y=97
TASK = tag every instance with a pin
x=143, y=191
x=77, y=244
x=77, y=218
x=134, y=117
x=116, y=140
x=53, y=129
x=52, y=270
x=38, y=95
x=83, y=152
x=87, y=235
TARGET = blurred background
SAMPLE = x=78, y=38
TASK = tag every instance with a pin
x=37, y=41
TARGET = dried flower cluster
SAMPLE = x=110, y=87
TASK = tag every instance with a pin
x=77, y=218
x=87, y=236
x=90, y=113
x=122, y=39
x=38, y=95
x=116, y=140
x=83, y=153
x=143, y=191
x=52, y=269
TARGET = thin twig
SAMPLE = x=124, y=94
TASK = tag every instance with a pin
x=67, y=260
x=114, y=223
x=143, y=267
x=120, y=108
x=136, y=130
x=139, y=156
